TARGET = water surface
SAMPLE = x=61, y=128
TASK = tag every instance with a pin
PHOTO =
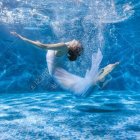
x=59, y=115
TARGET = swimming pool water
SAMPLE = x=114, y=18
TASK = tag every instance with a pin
x=60, y=116
x=33, y=106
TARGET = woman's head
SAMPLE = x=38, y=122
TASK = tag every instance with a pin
x=75, y=50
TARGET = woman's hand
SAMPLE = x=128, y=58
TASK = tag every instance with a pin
x=18, y=35
x=15, y=34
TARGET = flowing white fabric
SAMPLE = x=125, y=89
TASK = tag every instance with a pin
x=76, y=84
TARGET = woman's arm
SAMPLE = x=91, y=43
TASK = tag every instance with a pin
x=57, y=46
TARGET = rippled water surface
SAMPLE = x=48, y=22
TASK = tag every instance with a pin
x=56, y=115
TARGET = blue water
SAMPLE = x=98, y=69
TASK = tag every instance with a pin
x=33, y=106
x=55, y=116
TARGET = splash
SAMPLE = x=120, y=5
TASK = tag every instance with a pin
x=32, y=13
x=66, y=17
x=108, y=12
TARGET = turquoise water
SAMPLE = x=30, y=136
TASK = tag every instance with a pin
x=60, y=116
x=33, y=106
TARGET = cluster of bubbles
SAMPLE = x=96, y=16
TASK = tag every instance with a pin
x=35, y=13
x=30, y=17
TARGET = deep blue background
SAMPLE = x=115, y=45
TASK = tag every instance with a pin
x=22, y=66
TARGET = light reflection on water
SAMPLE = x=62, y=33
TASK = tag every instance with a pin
x=56, y=115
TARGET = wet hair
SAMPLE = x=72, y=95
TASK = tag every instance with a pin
x=73, y=53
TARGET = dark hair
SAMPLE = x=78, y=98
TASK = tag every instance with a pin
x=73, y=53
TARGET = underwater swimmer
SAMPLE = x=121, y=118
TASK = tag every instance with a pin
x=59, y=52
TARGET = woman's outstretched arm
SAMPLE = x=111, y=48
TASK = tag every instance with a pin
x=57, y=46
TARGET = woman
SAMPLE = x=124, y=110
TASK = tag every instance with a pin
x=57, y=54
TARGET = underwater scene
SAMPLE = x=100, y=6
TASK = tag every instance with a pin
x=87, y=99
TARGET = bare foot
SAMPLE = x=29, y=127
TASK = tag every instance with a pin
x=106, y=70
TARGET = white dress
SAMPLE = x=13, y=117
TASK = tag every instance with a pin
x=54, y=62
x=74, y=83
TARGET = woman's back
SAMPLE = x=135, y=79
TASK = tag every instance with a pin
x=54, y=61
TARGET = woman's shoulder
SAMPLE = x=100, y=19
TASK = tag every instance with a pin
x=61, y=53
